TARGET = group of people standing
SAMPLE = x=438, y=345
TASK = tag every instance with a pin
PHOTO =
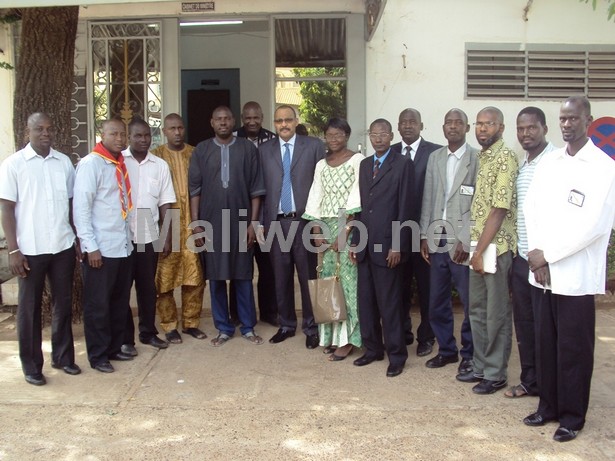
x=412, y=215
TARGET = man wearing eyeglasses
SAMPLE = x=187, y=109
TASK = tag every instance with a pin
x=493, y=211
x=386, y=184
x=414, y=147
x=288, y=165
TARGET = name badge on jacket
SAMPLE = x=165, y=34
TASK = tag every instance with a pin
x=466, y=190
x=576, y=198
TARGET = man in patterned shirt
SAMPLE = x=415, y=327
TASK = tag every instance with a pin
x=494, y=213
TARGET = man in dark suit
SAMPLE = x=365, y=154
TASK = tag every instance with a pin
x=288, y=164
x=414, y=147
x=386, y=183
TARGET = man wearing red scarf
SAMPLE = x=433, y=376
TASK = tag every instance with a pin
x=101, y=205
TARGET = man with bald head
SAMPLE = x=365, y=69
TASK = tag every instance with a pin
x=226, y=186
x=569, y=212
x=414, y=147
x=36, y=188
x=101, y=207
x=494, y=208
x=449, y=187
x=252, y=129
x=179, y=268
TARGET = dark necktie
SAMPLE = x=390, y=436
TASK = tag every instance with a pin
x=376, y=168
x=409, y=152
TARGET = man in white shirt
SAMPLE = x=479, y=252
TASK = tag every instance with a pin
x=153, y=195
x=569, y=213
x=36, y=186
x=101, y=205
x=531, y=132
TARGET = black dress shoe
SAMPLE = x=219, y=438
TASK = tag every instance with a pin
x=311, y=341
x=563, y=434
x=440, y=360
x=37, y=379
x=104, y=367
x=394, y=370
x=466, y=366
x=173, y=337
x=536, y=419
x=425, y=348
x=155, y=341
x=470, y=377
x=488, y=386
x=68, y=369
x=121, y=357
x=282, y=335
x=409, y=337
x=129, y=349
x=366, y=360
x=195, y=333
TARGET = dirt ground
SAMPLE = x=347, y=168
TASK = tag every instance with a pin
x=280, y=402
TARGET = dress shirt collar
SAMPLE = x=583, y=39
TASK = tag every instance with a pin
x=29, y=153
x=128, y=153
x=493, y=148
x=291, y=141
x=584, y=153
x=414, y=146
x=383, y=158
x=459, y=152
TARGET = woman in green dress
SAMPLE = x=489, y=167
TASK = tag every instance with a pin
x=335, y=190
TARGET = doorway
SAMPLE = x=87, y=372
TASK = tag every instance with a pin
x=202, y=91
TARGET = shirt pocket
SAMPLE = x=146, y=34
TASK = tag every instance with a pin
x=153, y=187
x=59, y=187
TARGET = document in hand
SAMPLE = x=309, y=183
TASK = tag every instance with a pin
x=489, y=257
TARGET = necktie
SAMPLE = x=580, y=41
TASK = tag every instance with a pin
x=409, y=152
x=376, y=168
x=286, y=201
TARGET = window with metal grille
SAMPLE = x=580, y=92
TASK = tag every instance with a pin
x=513, y=71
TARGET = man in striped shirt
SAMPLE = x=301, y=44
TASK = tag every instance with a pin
x=531, y=132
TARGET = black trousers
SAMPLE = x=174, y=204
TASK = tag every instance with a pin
x=267, y=303
x=523, y=318
x=381, y=311
x=144, y=265
x=565, y=336
x=416, y=267
x=59, y=268
x=284, y=265
x=106, y=293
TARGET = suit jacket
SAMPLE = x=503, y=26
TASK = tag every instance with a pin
x=388, y=197
x=460, y=201
x=306, y=154
x=420, y=164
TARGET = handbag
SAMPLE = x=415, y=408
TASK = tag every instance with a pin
x=327, y=295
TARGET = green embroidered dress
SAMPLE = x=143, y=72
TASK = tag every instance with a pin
x=336, y=188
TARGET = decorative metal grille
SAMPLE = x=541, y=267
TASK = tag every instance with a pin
x=126, y=65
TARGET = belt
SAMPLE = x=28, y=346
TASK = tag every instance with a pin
x=292, y=214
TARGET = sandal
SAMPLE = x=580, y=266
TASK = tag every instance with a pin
x=253, y=338
x=515, y=392
x=220, y=339
x=329, y=349
x=194, y=332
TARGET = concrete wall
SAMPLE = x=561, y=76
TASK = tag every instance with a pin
x=432, y=35
x=6, y=94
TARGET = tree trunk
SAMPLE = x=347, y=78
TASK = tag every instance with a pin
x=44, y=83
x=45, y=70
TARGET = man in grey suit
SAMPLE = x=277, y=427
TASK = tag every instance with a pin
x=449, y=186
x=288, y=168
x=414, y=147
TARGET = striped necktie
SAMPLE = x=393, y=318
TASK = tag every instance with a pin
x=286, y=200
x=376, y=168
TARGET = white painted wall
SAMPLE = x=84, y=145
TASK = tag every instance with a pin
x=6, y=95
x=247, y=52
x=432, y=35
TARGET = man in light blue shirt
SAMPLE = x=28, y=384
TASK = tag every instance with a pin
x=101, y=204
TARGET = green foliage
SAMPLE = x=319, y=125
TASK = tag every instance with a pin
x=6, y=65
x=8, y=18
x=610, y=7
x=322, y=100
x=610, y=257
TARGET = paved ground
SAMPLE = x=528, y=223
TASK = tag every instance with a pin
x=280, y=402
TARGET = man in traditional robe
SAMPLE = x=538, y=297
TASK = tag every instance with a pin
x=226, y=186
x=182, y=268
